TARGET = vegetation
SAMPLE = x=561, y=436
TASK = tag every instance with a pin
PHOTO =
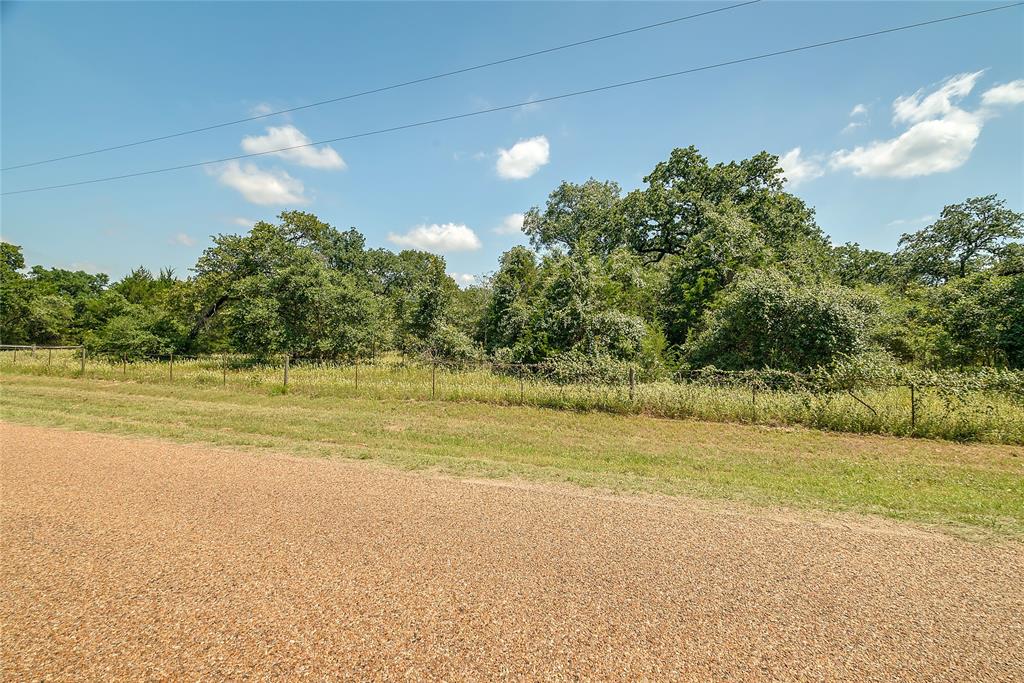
x=987, y=406
x=964, y=488
x=704, y=266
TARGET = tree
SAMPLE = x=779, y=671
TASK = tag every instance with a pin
x=577, y=217
x=712, y=223
x=685, y=195
x=968, y=237
x=15, y=295
x=513, y=288
x=857, y=266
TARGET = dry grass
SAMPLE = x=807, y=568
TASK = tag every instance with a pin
x=984, y=416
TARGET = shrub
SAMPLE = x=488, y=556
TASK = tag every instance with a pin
x=765, y=320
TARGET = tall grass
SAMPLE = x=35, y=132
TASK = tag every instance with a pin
x=977, y=416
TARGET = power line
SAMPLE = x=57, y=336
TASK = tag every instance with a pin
x=385, y=88
x=506, y=107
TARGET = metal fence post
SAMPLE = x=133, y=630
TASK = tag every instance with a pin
x=223, y=369
x=522, y=389
x=357, y=372
x=170, y=367
x=49, y=356
x=124, y=365
x=433, y=379
x=753, y=401
x=83, y=360
x=913, y=408
x=286, y=362
x=632, y=383
x=33, y=350
x=15, y=355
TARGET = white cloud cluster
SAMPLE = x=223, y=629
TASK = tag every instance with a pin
x=906, y=222
x=941, y=134
x=283, y=137
x=259, y=186
x=438, y=238
x=800, y=169
x=920, y=107
x=183, y=240
x=511, y=225
x=462, y=279
x=858, y=117
x=1007, y=94
x=524, y=158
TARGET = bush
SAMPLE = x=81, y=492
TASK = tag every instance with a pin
x=765, y=320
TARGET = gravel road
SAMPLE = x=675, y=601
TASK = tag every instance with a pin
x=134, y=559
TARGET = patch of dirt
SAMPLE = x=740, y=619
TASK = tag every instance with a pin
x=130, y=559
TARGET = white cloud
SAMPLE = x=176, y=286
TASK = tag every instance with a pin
x=933, y=146
x=800, y=169
x=1007, y=94
x=182, y=240
x=941, y=135
x=462, y=279
x=259, y=186
x=524, y=158
x=261, y=109
x=920, y=220
x=919, y=107
x=438, y=238
x=859, y=115
x=283, y=137
x=531, y=105
x=511, y=225
x=243, y=222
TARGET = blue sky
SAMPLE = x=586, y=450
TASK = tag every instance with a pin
x=888, y=129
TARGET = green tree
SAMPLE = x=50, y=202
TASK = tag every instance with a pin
x=15, y=295
x=577, y=217
x=967, y=238
x=857, y=266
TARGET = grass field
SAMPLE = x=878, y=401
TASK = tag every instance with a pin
x=988, y=417
x=966, y=488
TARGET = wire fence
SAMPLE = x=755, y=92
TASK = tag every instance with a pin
x=987, y=406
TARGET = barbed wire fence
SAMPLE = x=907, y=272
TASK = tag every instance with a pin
x=620, y=388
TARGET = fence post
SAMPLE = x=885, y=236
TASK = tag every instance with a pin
x=632, y=383
x=83, y=360
x=357, y=372
x=170, y=367
x=753, y=401
x=522, y=388
x=15, y=355
x=33, y=350
x=49, y=356
x=124, y=365
x=913, y=408
x=286, y=362
x=223, y=369
x=433, y=379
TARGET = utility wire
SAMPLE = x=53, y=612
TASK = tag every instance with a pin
x=552, y=98
x=385, y=88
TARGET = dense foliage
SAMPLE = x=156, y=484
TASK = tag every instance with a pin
x=704, y=265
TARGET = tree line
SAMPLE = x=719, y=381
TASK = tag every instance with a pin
x=703, y=265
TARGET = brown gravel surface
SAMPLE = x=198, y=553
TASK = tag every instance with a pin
x=134, y=559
